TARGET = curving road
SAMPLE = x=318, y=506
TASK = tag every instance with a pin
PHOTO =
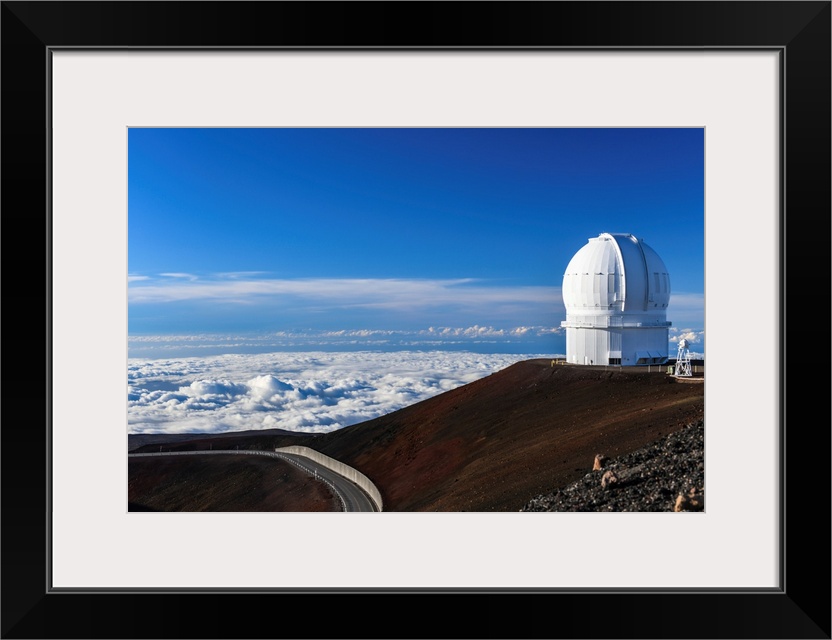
x=352, y=497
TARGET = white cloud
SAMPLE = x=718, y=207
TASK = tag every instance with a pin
x=185, y=276
x=300, y=391
x=379, y=293
x=240, y=274
x=224, y=388
x=358, y=333
x=476, y=331
x=695, y=338
x=520, y=338
x=688, y=334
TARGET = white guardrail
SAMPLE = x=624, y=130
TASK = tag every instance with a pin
x=340, y=468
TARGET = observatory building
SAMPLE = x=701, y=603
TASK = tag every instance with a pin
x=616, y=290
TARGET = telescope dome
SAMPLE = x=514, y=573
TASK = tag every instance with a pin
x=616, y=290
x=616, y=272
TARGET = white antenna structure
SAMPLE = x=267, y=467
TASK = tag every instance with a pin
x=683, y=360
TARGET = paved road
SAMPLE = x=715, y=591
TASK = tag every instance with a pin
x=352, y=497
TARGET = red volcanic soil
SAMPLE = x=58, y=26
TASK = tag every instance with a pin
x=223, y=483
x=494, y=444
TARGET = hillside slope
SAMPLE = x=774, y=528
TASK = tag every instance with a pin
x=223, y=483
x=494, y=444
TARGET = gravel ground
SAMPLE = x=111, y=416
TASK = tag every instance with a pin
x=668, y=475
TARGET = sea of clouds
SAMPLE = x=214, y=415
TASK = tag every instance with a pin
x=309, y=392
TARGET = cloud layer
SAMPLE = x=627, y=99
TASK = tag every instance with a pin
x=312, y=392
x=462, y=308
x=373, y=292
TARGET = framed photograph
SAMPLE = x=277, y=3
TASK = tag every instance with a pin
x=86, y=84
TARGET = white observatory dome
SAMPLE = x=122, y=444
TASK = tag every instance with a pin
x=616, y=272
x=616, y=290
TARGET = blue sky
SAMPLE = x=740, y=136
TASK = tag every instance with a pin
x=395, y=237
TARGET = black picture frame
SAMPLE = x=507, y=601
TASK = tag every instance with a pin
x=799, y=31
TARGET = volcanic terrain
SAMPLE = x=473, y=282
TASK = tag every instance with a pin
x=491, y=445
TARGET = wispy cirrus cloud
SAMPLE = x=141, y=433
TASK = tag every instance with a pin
x=239, y=274
x=379, y=293
x=400, y=312
x=178, y=275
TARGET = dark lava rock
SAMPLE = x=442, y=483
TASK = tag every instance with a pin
x=650, y=479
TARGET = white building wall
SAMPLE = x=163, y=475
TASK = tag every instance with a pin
x=615, y=343
x=600, y=346
x=651, y=344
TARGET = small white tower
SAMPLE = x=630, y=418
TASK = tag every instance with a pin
x=683, y=360
x=616, y=290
